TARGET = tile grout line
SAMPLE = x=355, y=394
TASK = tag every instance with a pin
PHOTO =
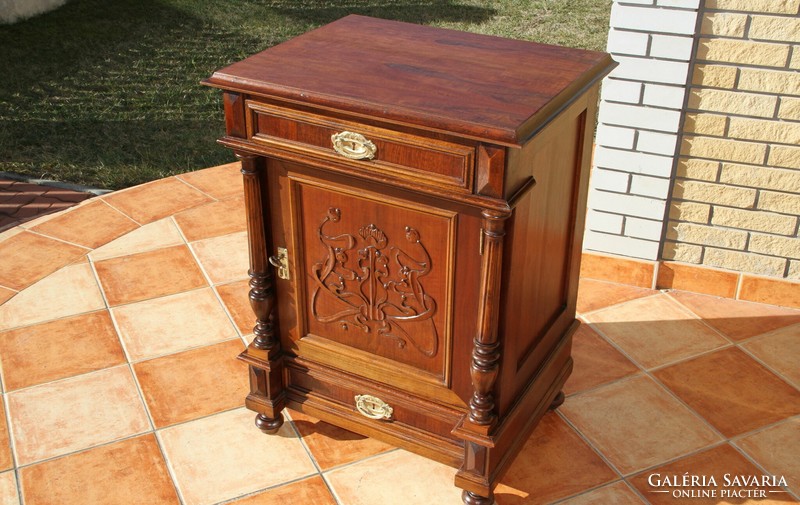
x=758, y=360
x=615, y=305
x=758, y=465
x=12, y=447
x=178, y=176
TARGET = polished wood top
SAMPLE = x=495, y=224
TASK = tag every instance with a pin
x=478, y=86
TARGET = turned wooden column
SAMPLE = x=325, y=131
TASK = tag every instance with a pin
x=263, y=354
x=486, y=350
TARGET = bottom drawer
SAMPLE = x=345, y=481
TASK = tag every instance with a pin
x=415, y=424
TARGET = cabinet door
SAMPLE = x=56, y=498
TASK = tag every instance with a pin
x=373, y=280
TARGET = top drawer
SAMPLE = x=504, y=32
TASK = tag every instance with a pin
x=420, y=160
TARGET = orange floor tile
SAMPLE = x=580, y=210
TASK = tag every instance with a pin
x=119, y=379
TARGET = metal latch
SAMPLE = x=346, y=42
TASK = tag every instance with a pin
x=281, y=262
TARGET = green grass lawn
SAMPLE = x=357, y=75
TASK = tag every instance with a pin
x=106, y=93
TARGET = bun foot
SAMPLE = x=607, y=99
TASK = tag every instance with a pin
x=557, y=401
x=471, y=498
x=268, y=425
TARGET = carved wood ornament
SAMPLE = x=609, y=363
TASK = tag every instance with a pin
x=376, y=286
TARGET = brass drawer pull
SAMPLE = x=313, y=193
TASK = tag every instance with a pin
x=373, y=407
x=353, y=146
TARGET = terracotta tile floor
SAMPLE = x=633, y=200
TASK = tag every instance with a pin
x=120, y=320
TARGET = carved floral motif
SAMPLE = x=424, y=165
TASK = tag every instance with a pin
x=376, y=286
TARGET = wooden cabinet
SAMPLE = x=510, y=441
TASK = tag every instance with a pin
x=415, y=201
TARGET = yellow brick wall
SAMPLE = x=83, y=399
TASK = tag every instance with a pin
x=736, y=198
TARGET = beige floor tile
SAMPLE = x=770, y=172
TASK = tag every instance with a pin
x=224, y=258
x=146, y=275
x=156, y=235
x=655, y=331
x=6, y=460
x=594, y=295
x=732, y=391
x=596, y=362
x=90, y=225
x=172, y=323
x=717, y=463
x=636, y=424
x=394, y=478
x=332, y=446
x=311, y=491
x=737, y=319
x=236, y=298
x=128, y=472
x=225, y=456
x=780, y=350
x=8, y=489
x=776, y=449
x=6, y=294
x=195, y=383
x=617, y=493
x=28, y=257
x=220, y=182
x=554, y=450
x=213, y=219
x=69, y=291
x=73, y=414
x=155, y=200
x=85, y=343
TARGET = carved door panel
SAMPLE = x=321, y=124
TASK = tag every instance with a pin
x=374, y=278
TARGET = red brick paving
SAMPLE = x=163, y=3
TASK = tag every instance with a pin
x=23, y=201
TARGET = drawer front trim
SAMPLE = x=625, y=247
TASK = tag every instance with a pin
x=424, y=160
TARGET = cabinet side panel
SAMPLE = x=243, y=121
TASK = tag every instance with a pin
x=538, y=298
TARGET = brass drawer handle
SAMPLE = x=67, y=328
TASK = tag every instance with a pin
x=353, y=146
x=373, y=407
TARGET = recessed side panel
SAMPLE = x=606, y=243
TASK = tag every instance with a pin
x=376, y=275
x=539, y=251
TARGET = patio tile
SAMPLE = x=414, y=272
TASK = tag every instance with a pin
x=172, y=323
x=213, y=219
x=594, y=295
x=780, y=350
x=776, y=449
x=394, y=478
x=311, y=491
x=737, y=319
x=90, y=225
x=224, y=258
x=6, y=294
x=155, y=200
x=220, y=182
x=332, y=446
x=28, y=257
x=617, y=493
x=6, y=460
x=596, y=362
x=225, y=456
x=636, y=424
x=8, y=489
x=555, y=450
x=715, y=462
x=69, y=291
x=147, y=275
x=655, y=331
x=195, y=383
x=125, y=472
x=732, y=391
x=235, y=296
x=156, y=235
x=73, y=414
x=59, y=349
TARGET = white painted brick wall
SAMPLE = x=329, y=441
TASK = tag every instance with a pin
x=640, y=114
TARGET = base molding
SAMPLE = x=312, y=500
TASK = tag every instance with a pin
x=688, y=277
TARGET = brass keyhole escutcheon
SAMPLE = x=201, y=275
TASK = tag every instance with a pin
x=373, y=407
x=353, y=146
x=281, y=262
